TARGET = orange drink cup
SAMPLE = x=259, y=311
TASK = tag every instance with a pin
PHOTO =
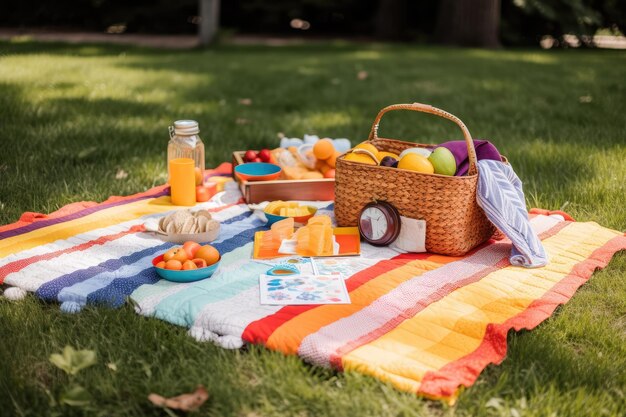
x=183, y=182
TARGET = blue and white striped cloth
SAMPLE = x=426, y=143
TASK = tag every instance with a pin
x=501, y=196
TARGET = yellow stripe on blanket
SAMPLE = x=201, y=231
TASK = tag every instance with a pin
x=454, y=326
x=97, y=220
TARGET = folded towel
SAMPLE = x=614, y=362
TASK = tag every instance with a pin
x=500, y=195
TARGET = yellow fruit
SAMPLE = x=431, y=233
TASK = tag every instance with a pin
x=361, y=158
x=368, y=147
x=382, y=154
x=415, y=162
x=323, y=149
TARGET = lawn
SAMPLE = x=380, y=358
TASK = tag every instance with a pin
x=74, y=117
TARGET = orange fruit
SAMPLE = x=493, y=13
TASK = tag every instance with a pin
x=190, y=248
x=209, y=254
x=200, y=263
x=330, y=173
x=174, y=265
x=178, y=254
x=415, y=162
x=361, y=158
x=323, y=149
x=189, y=265
x=160, y=265
x=332, y=161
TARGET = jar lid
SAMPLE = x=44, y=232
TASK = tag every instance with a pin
x=186, y=127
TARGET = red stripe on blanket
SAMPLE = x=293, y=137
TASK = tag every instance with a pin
x=259, y=331
x=23, y=263
x=335, y=359
x=445, y=382
x=31, y=217
x=18, y=265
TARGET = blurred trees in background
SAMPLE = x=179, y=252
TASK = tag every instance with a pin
x=465, y=22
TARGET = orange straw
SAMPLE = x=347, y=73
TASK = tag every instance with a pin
x=183, y=182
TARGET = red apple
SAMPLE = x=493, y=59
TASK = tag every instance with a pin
x=249, y=156
x=257, y=160
x=265, y=155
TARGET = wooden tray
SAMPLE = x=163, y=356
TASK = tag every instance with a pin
x=258, y=191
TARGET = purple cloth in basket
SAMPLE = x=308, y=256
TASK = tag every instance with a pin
x=484, y=150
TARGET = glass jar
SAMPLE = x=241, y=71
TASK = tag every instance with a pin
x=185, y=143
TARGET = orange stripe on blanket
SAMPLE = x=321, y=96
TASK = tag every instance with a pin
x=30, y=217
x=444, y=382
x=454, y=326
x=287, y=338
x=259, y=331
x=420, y=304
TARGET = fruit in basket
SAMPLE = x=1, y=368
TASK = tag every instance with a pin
x=415, y=162
x=443, y=161
x=362, y=158
x=420, y=151
x=382, y=154
x=389, y=161
x=368, y=147
x=323, y=149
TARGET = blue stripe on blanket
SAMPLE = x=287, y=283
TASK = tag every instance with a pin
x=51, y=289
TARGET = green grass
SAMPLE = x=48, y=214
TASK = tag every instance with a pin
x=72, y=116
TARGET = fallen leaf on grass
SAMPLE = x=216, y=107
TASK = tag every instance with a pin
x=245, y=101
x=121, y=174
x=242, y=121
x=72, y=361
x=184, y=402
x=362, y=75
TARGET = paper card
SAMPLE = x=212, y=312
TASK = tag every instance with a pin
x=346, y=267
x=303, y=290
x=303, y=264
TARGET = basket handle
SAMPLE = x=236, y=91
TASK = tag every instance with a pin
x=426, y=108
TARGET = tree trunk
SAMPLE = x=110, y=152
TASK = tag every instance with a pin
x=391, y=19
x=209, y=11
x=469, y=23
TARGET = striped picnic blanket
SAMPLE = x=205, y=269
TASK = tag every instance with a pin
x=426, y=323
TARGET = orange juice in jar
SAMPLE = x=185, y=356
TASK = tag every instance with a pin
x=186, y=143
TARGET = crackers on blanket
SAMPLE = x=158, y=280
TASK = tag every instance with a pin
x=186, y=222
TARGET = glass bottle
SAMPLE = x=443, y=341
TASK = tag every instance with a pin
x=185, y=143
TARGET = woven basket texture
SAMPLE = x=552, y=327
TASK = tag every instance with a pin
x=455, y=224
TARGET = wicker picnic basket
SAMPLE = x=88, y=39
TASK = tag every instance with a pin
x=454, y=222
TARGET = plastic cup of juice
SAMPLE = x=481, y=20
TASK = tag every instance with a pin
x=183, y=181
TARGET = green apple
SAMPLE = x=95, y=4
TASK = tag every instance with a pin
x=443, y=161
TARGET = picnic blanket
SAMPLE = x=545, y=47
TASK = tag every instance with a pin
x=425, y=323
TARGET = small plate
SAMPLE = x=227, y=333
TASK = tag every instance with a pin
x=188, y=275
x=301, y=220
x=258, y=171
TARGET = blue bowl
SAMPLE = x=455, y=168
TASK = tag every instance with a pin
x=189, y=275
x=258, y=171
